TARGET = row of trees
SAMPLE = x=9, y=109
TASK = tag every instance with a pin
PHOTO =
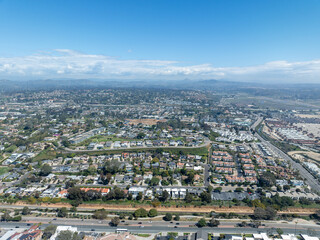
x=78, y=196
x=212, y=222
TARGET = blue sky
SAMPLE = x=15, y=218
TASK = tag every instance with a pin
x=245, y=40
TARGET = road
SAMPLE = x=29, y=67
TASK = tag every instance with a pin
x=206, y=174
x=227, y=227
x=256, y=123
x=311, y=181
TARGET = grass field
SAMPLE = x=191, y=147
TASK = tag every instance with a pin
x=45, y=154
x=3, y=170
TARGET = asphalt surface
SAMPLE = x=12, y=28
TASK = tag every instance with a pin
x=145, y=228
x=311, y=181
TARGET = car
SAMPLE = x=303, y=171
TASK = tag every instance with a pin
x=139, y=222
x=175, y=226
x=123, y=221
x=141, y=226
x=92, y=230
x=171, y=222
x=17, y=226
x=177, y=223
x=28, y=224
x=54, y=219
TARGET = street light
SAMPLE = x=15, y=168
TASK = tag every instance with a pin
x=295, y=228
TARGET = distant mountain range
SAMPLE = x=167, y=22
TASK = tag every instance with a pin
x=212, y=85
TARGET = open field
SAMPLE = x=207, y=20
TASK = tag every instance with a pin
x=3, y=170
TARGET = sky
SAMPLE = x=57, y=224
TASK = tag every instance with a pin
x=234, y=40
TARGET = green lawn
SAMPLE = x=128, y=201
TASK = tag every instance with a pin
x=143, y=235
x=3, y=170
x=44, y=155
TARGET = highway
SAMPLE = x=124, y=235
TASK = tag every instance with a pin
x=155, y=227
x=311, y=181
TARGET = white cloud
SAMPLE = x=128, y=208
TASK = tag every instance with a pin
x=65, y=63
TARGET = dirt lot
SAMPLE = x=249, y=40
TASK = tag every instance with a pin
x=311, y=155
x=144, y=121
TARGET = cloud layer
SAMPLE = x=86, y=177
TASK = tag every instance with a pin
x=64, y=63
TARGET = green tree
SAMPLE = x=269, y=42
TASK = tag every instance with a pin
x=141, y=212
x=141, y=135
x=167, y=217
x=267, y=179
x=111, y=167
x=115, y=221
x=213, y=222
x=100, y=214
x=286, y=187
x=45, y=170
x=188, y=198
x=267, y=214
x=202, y=223
x=26, y=211
x=205, y=197
x=49, y=231
x=279, y=231
x=153, y=212
x=5, y=216
x=73, y=209
x=154, y=181
x=75, y=193
x=68, y=235
x=139, y=197
x=65, y=143
x=239, y=189
x=164, y=196
x=270, y=213
x=62, y=212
